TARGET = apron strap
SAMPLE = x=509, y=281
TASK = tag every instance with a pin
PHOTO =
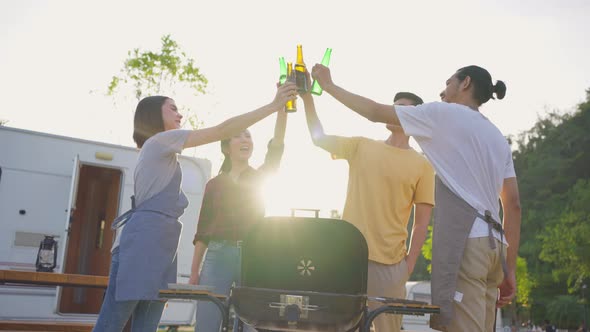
x=493, y=224
x=122, y=219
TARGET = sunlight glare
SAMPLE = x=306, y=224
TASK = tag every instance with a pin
x=294, y=187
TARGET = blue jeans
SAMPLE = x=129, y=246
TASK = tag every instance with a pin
x=145, y=315
x=221, y=269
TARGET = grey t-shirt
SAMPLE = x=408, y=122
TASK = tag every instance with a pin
x=155, y=166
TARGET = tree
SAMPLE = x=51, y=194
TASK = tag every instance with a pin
x=3, y=122
x=422, y=268
x=565, y=311
x=552, y=161
x=525, y=282
x=169, y=71
x=427, y=249
x=566, y=243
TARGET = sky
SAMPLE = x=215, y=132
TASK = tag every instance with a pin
x=57, y=58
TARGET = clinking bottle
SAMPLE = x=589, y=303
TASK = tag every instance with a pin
x=316, y=89
x=300, y=79
x=291, y=105
x=283, y=71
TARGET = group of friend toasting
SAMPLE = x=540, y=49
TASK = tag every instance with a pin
x=466, y=171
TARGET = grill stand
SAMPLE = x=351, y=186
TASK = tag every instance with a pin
x=396, y=306
x=219, y=300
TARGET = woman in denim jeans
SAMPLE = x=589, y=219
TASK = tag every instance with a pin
x=144, y=252
x=231, y=204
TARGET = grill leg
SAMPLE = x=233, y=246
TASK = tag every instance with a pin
x=224, y=312
x=362, y=323
x=373, y=314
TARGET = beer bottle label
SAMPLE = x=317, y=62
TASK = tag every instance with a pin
x=300, y=79
x=290, y=106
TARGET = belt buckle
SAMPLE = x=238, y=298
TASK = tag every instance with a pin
x=492, y=222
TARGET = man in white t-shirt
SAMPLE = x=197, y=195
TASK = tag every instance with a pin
x=474, y=168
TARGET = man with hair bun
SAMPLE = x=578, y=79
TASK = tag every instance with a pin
x=474, y=167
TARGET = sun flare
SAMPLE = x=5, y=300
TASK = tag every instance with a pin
x=303, y=185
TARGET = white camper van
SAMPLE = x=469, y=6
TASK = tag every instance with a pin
x=73, y=189
x=420, y=291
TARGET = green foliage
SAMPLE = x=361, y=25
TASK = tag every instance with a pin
x=427, y=249
x=565, y=311
x=422, y=267
x=566, y=243
x=149, y=71
x=3, y=122
x=525, y=283
x=552, y=161
x=165, y=72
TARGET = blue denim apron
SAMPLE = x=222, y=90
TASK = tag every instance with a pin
x=149, y=243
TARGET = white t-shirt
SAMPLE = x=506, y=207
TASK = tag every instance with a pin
x=468, y=152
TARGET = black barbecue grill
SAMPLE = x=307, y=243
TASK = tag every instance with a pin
x=302, y=274
x=308, y=274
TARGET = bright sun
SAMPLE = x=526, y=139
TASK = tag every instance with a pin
x=306, y=183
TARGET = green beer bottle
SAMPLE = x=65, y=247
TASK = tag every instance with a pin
x=291, y=105
x=283, y=71
x=300, y=79
x=316, y=89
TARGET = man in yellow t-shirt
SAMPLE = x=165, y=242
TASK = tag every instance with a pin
x=386, y=178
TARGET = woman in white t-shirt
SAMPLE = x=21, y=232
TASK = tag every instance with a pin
x=144, y=254
x=473, y=162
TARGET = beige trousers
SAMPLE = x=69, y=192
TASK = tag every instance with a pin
x=477, y=287
x=389, y=281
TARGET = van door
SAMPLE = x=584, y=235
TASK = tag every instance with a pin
x=90, y=236
x=70, y=208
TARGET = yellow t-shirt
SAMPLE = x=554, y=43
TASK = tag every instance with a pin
x=384, y=183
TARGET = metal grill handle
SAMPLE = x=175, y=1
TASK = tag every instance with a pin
x=315, y=211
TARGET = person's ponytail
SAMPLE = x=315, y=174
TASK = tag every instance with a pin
x=500, y=89
x=226, y=165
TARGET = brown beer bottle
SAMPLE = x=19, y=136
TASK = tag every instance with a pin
x=300, y=79
x=290, y=106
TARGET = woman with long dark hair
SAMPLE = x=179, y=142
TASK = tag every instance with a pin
x=231, y=204
x=144, y=252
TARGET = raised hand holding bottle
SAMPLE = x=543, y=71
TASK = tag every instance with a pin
x=316, y=89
